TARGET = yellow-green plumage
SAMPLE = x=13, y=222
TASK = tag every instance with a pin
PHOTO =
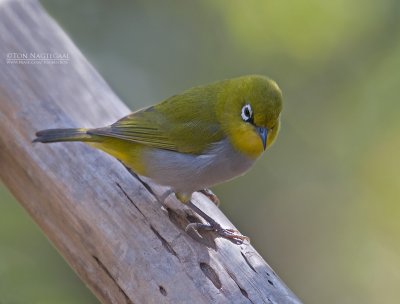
x=198, y=132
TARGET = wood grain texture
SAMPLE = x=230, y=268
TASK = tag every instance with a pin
x=107, y=223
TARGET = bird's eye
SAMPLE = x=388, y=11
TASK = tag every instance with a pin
x=247, y=113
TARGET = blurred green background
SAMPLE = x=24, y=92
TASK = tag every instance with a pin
x=322, y=206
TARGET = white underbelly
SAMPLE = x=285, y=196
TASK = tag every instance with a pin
x=188, y=172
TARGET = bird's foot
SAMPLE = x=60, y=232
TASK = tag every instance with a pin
x=231, y=234
x=212, y=197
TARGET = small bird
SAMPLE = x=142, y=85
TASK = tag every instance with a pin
x=193, y=140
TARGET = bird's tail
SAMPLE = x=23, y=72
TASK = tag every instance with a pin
x=56, y=135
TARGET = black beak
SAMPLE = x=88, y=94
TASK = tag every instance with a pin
x=263, y=132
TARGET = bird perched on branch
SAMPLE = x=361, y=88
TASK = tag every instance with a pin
x=193, y=140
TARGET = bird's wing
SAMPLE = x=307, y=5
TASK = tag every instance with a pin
x=191, y=127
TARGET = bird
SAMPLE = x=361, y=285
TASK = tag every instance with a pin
x=194, y=140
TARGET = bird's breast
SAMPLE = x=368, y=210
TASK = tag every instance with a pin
x=188, y=172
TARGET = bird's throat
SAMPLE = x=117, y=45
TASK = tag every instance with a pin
x=247, y=142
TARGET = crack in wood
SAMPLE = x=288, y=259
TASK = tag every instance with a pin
x=178, y=219
x=163, y=291
x=211, y=274
x=146, y=185
x=242, y=290
x=248, y=262
x=165, y=244
x=129, y=199
x=104, y=268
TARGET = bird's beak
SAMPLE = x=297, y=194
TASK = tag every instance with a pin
x=263, y=132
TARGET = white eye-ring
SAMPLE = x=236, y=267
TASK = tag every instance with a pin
x=247, y=113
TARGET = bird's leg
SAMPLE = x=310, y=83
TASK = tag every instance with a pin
x=164, y=196
x=211, y=196
x=212, y=225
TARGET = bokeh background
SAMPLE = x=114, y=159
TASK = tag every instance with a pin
x=323, y=205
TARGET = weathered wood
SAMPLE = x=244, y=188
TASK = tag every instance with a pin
x=108, y=224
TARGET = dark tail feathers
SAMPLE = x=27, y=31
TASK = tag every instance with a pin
x=56, y=135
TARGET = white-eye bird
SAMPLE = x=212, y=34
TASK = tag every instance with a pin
x=193, y=140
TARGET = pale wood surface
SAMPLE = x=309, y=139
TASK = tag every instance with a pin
x=108, y=224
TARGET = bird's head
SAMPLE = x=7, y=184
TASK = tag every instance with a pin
x=249, y=110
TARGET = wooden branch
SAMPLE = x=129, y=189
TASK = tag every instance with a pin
x=108, y=224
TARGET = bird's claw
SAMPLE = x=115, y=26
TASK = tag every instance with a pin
x=231, y=234
x=211, y=196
